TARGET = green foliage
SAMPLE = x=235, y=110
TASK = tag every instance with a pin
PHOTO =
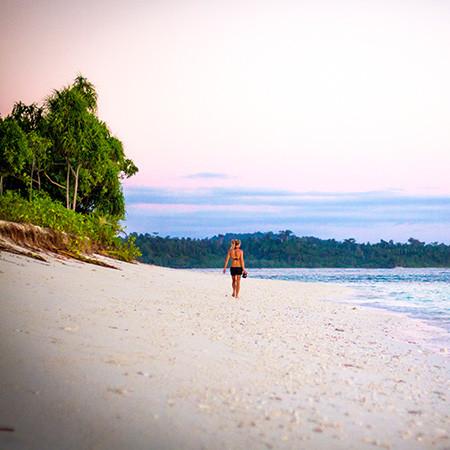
x=88, y=161
x=92, y=232
x=14, y=151
x=125, y=249
x=60, y=154
x=28, y=117
x=284, y=249
x=32, y=121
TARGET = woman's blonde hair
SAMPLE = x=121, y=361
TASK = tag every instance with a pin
x=234, y=242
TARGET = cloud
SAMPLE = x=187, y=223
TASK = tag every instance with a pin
x=367, y=215
x=208, y=175
x=266, y=197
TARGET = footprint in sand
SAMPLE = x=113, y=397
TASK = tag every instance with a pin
x=119, y=390
x=71, y=328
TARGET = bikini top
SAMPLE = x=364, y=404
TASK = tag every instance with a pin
x=236, y=259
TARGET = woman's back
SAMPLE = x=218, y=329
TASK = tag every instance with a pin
x=235, y=255
x=237, y=268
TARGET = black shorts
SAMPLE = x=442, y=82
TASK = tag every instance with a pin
x=236, y=270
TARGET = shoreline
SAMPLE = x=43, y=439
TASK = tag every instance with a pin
x=425, y=332
x=429, y=331
x=150, y=357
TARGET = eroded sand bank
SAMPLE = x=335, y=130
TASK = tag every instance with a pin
x=152, y=358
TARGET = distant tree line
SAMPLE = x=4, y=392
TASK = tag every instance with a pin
x=284, y=249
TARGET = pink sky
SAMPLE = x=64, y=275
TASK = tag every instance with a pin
x=316, y=96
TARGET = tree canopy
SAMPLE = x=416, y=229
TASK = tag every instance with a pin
x=64, y=149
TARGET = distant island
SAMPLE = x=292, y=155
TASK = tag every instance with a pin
x=285, y=249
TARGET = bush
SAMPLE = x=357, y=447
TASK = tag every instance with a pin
x=87, y=233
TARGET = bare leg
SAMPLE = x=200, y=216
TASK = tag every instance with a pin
x=233, y=283
x=238, y=286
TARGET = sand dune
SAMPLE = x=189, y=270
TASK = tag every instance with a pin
x=153, y=358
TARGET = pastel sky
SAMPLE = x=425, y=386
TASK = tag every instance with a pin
x=328, y=118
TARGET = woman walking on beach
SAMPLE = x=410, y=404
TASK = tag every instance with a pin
x=237, y=265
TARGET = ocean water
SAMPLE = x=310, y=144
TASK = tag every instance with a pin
x=420, y=293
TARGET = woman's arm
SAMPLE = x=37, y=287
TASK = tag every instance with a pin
x=226, y=262
x=242, y=261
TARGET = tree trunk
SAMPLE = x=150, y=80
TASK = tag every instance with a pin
x=1, y=184
x=31, y=180
x=68, y=186
x=74, y=204
x=39, y=180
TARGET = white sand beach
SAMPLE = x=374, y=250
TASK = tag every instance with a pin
x=152, y=358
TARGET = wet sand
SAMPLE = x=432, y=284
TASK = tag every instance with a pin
x=152, y=358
